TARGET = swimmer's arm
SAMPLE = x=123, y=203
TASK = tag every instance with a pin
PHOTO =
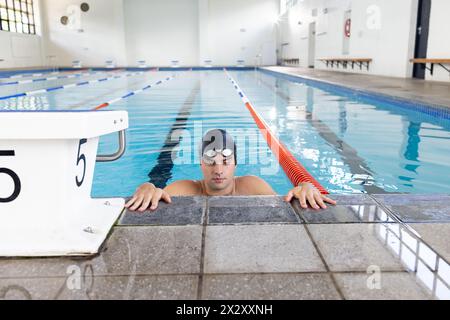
x=253, y=185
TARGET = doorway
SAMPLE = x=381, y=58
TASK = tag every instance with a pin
x=423, y=23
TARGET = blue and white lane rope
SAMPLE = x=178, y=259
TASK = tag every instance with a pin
x=28, y=75
x=70, y=76
x=80, y=73
x=133, y=93
x=67, y=86
x=236, y=86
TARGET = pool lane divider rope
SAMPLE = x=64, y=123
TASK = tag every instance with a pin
x=67, y=86
x=295, y=171
x=70, y=76
x=132, y=93
x=28, y=75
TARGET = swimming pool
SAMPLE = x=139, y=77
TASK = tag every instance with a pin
x=349, y=143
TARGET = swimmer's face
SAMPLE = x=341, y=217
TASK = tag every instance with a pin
x=219, y=174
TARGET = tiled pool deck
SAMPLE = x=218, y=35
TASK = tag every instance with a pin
x=366, y=247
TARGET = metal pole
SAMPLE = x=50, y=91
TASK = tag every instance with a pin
x=119, y=153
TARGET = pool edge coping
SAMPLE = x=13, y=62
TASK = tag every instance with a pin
x=363, y=92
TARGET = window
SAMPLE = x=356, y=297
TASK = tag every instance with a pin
x=285, y=5
x=282, y=7
x=17, y=16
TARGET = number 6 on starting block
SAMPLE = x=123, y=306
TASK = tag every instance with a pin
x=47, y=162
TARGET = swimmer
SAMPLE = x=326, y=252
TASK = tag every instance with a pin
x=218, y=164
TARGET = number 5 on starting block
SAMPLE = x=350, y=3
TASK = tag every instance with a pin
x=47, y=162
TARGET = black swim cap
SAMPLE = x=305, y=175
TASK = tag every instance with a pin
x=218, y=139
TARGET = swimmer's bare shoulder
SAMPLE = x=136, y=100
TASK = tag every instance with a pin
x=184, y=188
x=253, y=185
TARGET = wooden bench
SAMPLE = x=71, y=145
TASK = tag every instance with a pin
x=432, y=62
x=291, y=61
x=346, y=61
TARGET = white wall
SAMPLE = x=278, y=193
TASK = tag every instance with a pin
x=392, y=44
x=161, y=31
x=438, y=43
x=381, y=29
x=22, y=50
x=193, y=31
x=157, y=31
x=225, y=43
x=102, y=37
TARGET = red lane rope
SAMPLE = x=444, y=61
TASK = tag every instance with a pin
x=104, y=105
x=291, y=166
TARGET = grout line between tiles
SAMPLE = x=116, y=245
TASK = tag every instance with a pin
x=333, y=279
x=143, y=275
x=202, y=251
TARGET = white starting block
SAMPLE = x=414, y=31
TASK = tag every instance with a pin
x=110, y=64
x=142, y=64
x=241, y=63
x=175, y=64
x=208, y=63
x=47, y=162
x=77, y=64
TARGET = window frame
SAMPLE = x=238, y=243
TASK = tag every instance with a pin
x=18, y=16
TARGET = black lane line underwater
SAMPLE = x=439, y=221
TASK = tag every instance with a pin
x=349, y=155
x=162, y=171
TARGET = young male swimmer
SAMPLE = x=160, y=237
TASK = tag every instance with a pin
x=218, y=164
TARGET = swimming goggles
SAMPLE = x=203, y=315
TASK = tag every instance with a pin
x=209, y=155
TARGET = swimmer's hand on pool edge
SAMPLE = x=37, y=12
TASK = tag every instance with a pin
x=146, y=194
x=307, y=192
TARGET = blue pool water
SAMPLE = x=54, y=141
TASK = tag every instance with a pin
x=348, y=143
